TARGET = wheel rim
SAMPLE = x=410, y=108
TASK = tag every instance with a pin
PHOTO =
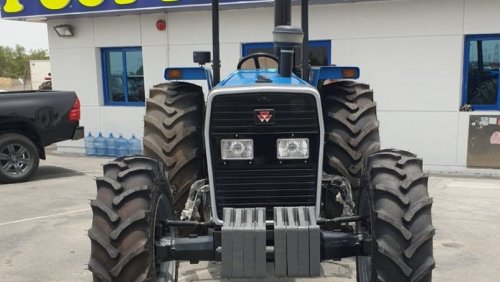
x=165, y=271
x=364, y=263
x=15, y=160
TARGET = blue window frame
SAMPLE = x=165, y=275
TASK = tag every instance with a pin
x=123, y=76
x=319, y=51
x=481, y=89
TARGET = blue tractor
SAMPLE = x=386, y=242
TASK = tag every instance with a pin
x=270, y=175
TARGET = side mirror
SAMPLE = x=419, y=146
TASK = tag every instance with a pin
x=201, y=58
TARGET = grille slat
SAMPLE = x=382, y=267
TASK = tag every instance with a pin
x=265, y=182
x=269, y=184
x=246, y=122
x=295, y=178
x=272, y=198
x=265, y=192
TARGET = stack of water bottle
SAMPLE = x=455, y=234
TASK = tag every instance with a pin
x=112, y=146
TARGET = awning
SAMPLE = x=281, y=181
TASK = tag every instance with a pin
x=42, y=9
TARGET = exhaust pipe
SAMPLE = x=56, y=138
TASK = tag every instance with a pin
x=286, y=39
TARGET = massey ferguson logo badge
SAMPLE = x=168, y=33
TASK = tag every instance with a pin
x=264, y=116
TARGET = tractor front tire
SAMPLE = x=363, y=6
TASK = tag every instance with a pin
x=133, y=198
x=351, y=129
x=173, y=135
x=397, y=206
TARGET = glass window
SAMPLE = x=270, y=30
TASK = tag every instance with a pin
x=123, y=76
x=482, y=62
x=319, y=51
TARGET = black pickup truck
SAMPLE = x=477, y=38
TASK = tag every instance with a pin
x=31, y=121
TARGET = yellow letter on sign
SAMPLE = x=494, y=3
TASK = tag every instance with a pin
x=91, y=3
x=55, y=4
x=13, y=6
x=125, y=2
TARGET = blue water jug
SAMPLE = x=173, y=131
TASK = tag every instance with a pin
x=134, y=146
x=121, y=145
x=89, y=145
x=111, y=145
x=100, y=145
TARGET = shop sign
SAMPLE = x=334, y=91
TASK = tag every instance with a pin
x=47, y=8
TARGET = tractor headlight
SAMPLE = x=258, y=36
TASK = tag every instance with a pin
x=293, y=148
x=236, y=149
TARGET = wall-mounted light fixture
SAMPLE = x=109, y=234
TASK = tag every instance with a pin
x=64, y=30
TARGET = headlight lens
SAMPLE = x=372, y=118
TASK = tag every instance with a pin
x=236, y=149
x=293, y=148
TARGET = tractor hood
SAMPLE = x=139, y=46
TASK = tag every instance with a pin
x=265, y=77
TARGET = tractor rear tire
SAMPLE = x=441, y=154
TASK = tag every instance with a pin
x=173, y=134
x=396, y=201
x=132, y=199
x=351, y=129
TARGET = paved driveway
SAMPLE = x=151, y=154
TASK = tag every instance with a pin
x=43, y=227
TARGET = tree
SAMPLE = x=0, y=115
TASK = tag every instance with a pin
x=14, y=62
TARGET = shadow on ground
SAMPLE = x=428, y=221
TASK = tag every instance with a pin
x=47, y=172
x=344, y=271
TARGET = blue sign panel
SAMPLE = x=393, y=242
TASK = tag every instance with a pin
x=48, y=8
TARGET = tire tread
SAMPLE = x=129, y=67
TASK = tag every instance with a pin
x=401, y=211
x=352, y=129
x=173, y=134
x=108, y=211
x=122, y=231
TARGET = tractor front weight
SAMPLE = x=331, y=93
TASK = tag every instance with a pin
x=293, y=241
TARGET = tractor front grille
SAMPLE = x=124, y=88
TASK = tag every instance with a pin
x=266, y=187
x=264, y=181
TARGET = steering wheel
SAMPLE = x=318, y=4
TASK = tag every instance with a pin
x=259, y=60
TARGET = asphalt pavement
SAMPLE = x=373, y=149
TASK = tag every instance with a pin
x=44, y=223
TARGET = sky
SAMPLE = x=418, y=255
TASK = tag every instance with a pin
x=27, y=34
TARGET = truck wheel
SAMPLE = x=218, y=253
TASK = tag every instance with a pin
x=132, y=199
x=19, y=158
x=351, y=128
x=396, y=202
x=173, y=134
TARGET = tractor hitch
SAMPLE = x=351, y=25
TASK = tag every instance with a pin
x=211, y=224
x=192, y=248
x=333, y=246
x=344, y=219
x=190, y=224
x=338, y=245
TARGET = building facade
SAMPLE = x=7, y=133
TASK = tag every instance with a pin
x=425, y=60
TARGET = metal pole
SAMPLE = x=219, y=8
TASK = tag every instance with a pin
x=305, y=44
x=282, y=12
x=282, y=16
x=215, y=41
x=480, y=58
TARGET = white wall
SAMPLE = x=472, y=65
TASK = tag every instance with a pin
x=76, y=65
x=410, y=52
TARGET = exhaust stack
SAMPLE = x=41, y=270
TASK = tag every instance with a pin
x=286, y=39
